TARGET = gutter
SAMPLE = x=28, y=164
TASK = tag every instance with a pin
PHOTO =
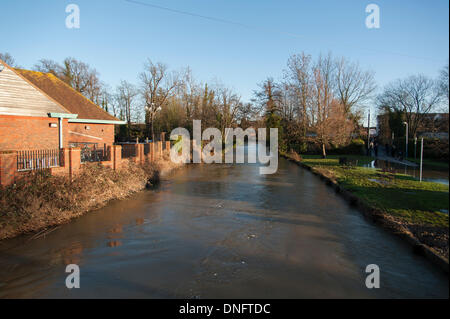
x=76, y=120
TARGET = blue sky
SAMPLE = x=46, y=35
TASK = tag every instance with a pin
x=116, y=37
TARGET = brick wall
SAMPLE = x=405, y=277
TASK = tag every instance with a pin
x=92, y=133
x=28, y=133
x=71, y=161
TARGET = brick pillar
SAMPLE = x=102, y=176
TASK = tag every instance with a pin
x=117, y=156
x=8, y=168
x=159, y=149
x=74, y=161
x=152, y=151
x=140, y=153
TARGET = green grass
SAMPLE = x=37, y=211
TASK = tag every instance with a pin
x=333, y=160
x=398, y=195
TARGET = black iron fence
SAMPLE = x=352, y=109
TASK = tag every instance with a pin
x=147, y=149
x=92, y=152
x=38, y=159
x=128, y=150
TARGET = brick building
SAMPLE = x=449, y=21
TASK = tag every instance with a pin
x=39, y=111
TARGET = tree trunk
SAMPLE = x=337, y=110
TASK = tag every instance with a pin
x=324, y=152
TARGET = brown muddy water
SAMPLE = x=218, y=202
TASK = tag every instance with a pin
x=221, y=231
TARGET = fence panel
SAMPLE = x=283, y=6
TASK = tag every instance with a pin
x=38, y=159
x=128, y=150
x=91, y=152
x=146, y=148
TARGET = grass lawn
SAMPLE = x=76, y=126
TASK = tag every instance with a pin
x=413, y=202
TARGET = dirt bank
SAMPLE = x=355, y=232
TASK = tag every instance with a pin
x=39, y=202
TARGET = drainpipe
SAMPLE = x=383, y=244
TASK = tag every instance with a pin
x=60, y=128
x=60, y=117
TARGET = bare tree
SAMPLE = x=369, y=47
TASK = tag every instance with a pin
x=49, y=66
x=8, y=59
x=106, y=98
x=158, y=84
x=227, y=107
x=443, y=83
x=328, y=116
x=189, y=93
x=269, y=96
x=353, y=86
x=125, y=98
x=298, y=76
x=415, y=97
x=82, y=78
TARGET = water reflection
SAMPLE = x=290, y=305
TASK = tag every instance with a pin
x=430, y=175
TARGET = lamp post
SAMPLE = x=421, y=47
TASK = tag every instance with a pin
x=406, y=150
x=421, y=159
x=415, y=147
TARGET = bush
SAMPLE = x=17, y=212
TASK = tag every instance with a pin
x=356, y=147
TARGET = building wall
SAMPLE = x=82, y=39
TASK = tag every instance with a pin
x=19, y=97
x=30, y=133
x=91, y=133
x=35, y=133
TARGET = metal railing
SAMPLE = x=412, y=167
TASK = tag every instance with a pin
x=91, y=152
x=128, y=150
x=147, y=149
x=37, y=159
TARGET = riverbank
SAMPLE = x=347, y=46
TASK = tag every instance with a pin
x=40, y=202
x=412, y=209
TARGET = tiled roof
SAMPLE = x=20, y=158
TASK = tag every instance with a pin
x=65, y=95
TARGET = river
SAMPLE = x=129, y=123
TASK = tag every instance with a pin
x=221, y=231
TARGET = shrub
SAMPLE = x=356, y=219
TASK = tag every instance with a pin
x=294, y=155
x=356, y=147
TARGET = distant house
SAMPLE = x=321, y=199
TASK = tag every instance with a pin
x=39, y=111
